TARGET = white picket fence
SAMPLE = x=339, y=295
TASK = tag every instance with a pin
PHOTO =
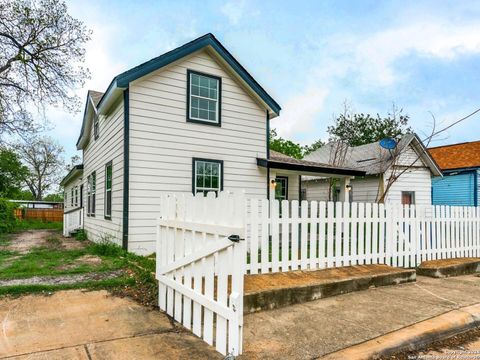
x=200, y=271
x=315, y=235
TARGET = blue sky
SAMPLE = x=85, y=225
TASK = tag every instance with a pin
x=311, y=56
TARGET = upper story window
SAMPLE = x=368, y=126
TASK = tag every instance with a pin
x=96, y=125
x=207, y=175
x=203, y=98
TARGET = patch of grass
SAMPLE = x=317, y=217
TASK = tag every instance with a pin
x=115, y=284
x=48, y=261
x=53, y=241
x=5, y=239
x=23, y=225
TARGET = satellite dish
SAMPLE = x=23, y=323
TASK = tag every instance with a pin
x=388, y=143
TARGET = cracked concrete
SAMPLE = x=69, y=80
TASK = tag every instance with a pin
x=92, y=325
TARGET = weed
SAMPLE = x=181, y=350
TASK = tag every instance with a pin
x=81, y=235
x=106, y=247
x=53, y=241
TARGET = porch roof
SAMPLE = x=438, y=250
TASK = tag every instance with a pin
x=283, y=162
x=72, y=174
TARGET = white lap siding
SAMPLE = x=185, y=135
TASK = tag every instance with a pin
x=108, y=147
x=76, y=183
x=163, y=143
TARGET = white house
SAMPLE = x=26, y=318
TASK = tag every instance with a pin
x=191, y=120
x=409, y=162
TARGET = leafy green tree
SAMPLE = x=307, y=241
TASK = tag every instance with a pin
x=42, y=49
x=54, y=197
x=12, y=174
x=286, y=147
x=359, y=129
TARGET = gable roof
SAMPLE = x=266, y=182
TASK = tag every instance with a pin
x=457, y=156
x=122, y=81
x=74, y=172
x=372, y=158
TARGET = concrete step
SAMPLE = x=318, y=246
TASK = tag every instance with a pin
x=449, y=267
x=276, y=290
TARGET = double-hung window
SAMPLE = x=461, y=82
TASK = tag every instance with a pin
x=89, y=194
x=71, y=196
x=108, y=191
x=203, y=98
x=207, y=175
x=76, y=195
x=93, y=178
x=91, y=184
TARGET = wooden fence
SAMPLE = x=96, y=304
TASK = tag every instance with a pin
x=39, y=214
x=315, y=235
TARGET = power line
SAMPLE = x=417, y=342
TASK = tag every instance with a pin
x=452, y=124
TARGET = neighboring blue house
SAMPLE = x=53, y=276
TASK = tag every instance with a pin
x=460, y=164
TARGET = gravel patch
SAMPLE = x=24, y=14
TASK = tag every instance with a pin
x=62, y=279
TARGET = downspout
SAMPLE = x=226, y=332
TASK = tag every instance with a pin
x=268, y=154
x=126, y=161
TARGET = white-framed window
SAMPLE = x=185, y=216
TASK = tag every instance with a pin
x=72, y=196
x=203, y=98
x=76, y=195
x=207, y=175
x=91, y=185
x=108, y=190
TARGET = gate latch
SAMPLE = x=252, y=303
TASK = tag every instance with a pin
x=235, y=238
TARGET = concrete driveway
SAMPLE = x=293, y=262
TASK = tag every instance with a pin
x=91, y=325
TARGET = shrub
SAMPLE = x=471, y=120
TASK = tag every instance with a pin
x=7, y=217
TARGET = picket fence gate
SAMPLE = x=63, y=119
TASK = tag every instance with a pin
x=205, y=245
x=199, y=269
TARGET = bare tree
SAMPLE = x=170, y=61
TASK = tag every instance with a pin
x=41, y=52
x=44, y=160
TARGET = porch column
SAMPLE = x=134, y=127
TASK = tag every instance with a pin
x=344, y=192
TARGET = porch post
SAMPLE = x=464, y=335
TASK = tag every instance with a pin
x=344, y=192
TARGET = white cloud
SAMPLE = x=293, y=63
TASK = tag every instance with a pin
x=299, y=113
x=236, y=10
x=373, y=56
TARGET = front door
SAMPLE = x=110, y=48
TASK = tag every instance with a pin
x=281, y=188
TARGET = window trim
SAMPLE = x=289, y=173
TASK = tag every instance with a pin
x=89, y=194
x=194, y=179
x=411, y=193
x=286, y=183
x=219, y=102
x=72, y=191
x=96, y=127
x=93, y=192
x=105, y=215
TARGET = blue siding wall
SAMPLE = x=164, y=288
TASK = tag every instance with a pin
x=456, y=189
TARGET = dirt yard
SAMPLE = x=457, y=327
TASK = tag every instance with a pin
x=25, y=241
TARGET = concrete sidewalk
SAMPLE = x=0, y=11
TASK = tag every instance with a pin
x=314, y=329
x=91, y=325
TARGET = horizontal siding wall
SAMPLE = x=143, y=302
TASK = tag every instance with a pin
x=415, y=179
x=455, y=190
x=162, y=143
x=108, y=147
x=364, y=189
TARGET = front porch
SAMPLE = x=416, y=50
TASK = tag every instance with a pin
x=284, y=176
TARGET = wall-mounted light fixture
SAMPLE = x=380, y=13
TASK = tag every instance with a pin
x=273, y=183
